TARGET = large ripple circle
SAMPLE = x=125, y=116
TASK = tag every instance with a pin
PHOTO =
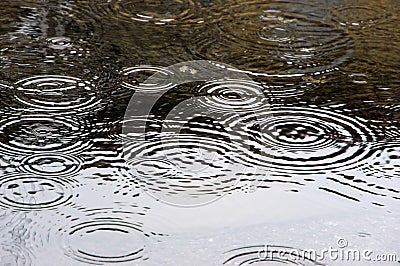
x=117, y=234
x=51, y=164
x=53, y=93
x=37, y=133
x=309, y=139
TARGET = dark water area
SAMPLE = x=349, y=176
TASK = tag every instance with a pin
x=199, y=132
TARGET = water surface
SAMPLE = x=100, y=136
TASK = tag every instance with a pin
x=198, y=132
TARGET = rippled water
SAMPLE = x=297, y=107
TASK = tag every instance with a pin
x=199, y=132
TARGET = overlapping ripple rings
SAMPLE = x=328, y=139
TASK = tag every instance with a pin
x=61, y=94
x=45, y=37
x=109, y=235
x=190, y=149
x=36, y=133
x=313, y=137
x=276, y=38
x=267, y=254
x=192, y=169
x=185, y=132
x=34, y=192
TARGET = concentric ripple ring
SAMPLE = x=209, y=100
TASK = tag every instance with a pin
x=317, y=138
x=52, y=93
x=34, y=192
